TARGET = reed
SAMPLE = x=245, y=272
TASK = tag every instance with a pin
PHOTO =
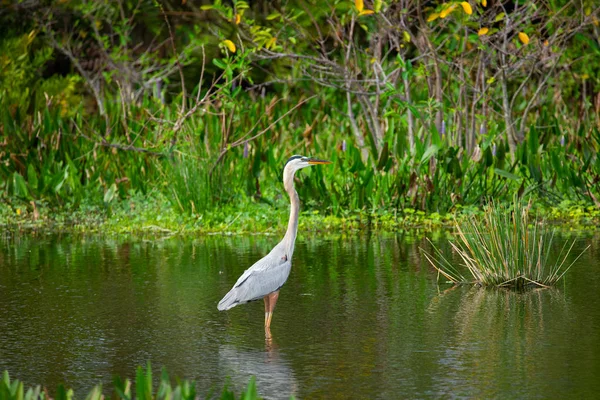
x=505, y=247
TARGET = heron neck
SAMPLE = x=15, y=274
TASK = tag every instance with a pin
x=292, y=229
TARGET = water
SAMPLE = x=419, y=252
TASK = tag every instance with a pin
x=358, y=318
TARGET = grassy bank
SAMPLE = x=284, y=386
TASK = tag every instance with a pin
x=154, y=214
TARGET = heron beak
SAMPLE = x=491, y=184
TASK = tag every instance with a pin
x=316, y=161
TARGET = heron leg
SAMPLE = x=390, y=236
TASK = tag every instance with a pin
x=267, y=303
x=270, y=301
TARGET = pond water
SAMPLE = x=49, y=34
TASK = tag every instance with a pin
x=358, y=318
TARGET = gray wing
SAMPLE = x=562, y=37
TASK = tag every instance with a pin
x=266, y=276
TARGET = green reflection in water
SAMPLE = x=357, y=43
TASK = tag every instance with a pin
x=358, y=318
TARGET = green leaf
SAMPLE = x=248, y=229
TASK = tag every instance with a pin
x=59, y=179
x=533, y=140
x=122, y=388
x=95, y=394
x=506, y=174
x=110, y=193
x=143, y=383
x=430, y=152
x=219, y=63
x=32, y=177
x=383, y=157
x=19, y=186
x=377, y=5
x=251, y=392
x=63, y=394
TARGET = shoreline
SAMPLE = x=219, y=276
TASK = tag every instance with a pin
x=151, y=216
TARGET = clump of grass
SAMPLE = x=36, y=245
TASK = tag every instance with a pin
x=505, y=248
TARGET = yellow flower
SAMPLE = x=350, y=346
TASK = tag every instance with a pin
x=230, y=45
x=483, y=31
x=360, y=5
x=467, y=7
x=484, y=3
x=523, y=37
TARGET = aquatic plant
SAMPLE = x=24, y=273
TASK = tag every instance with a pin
x=505, y=247
x=184, y=390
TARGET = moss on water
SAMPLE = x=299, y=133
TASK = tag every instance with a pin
x=153, y=214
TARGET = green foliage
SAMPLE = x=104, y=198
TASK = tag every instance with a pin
x=19, y=65
x=184, y=390
x=505, y=248
x=100, y=136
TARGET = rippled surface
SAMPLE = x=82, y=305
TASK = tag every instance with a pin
x=358, y=318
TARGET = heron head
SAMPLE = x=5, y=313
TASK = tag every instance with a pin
x=294, y=163
x=297, y=162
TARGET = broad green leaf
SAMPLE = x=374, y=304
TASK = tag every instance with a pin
x=19, y=186
x=506, y=174
x=219, y=63
x=110, y=193
x=32, y=177
x=430, y=152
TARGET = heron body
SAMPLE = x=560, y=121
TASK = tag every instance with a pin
x=267, y=275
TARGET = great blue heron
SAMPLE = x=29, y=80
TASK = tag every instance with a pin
x=267, y=275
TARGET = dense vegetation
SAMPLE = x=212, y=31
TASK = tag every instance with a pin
x=187, y=110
